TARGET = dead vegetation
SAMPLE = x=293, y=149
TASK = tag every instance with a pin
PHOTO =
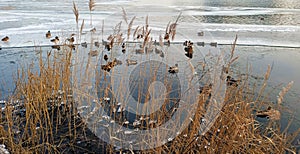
x=42, y=117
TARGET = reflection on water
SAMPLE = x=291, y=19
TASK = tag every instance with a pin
x=260, y=19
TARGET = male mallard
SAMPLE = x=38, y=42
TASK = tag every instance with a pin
x=173, y=69
x=5, y=39
x=48, y=34
x=55, y=40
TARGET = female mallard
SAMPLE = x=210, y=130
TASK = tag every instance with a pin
x=231, y=81
x=71, y=40
x=48, y=34
x=5, y=39
x=131, y=62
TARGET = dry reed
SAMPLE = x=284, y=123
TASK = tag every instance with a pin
x=51, y=123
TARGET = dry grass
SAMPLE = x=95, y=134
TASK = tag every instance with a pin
x=51, y=123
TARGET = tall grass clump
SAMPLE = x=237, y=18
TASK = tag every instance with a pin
x=42, y=115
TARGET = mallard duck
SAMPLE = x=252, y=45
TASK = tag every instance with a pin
x=200, y=44
x=72, y=46
x=189, y=55
x=48, y=34
x=84, y=44
x=123, y=47
x=105, y=57
x=131, y=62
x=185, y=43
x=214, y=44
x=117, y=62
x=5, y=39
x=108, y=47
x=189, y=49
x=97, y=44
x=93, y=53
x=231, y=81
x=55, y=47
x=201, y=33
x=71, y=40
x=106, y=68
x=269, y=113
x=140, y=36
x=173, y=69
x=167, y=36
x=139, y=51
x=109, y=65
x=123, y=50
x=55, y=40
x=93, y=30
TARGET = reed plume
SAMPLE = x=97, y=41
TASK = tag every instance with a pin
x=135, y=31
x=75, y=11
x=129, y=27
x=91, y=8
x=125, y=15
x=283, y=92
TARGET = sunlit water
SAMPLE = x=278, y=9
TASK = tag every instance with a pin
x=267, y=23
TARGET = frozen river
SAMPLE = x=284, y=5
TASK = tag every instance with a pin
x=268, y=31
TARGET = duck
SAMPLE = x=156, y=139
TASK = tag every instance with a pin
x=140, y=36
x=123, y=48
x=189, y=49
x=57, y=47
x=106, y=68
x=131, y=62
x=93, y=30
x=72, y=46
x=185, y=43
x=117, y=62
x=201, y=33
x=55, y=40
x=231, y=81
x=105, y=57
x=71, y=40
x=173, y=69
x=84, y=44
x=5, y=39
x=97, y=44
x=48, y=34
x=123, y=45
x=269, y=113
x=214, y=44
x=93, y=53
x=167, y=36
x=139, y=51
x=108, y=47
x=109, y=65
x=201, y=44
